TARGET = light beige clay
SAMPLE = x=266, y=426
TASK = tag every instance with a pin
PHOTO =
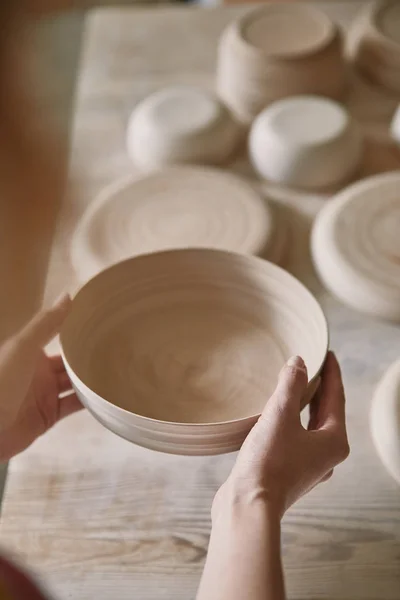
x=174, y=208
x=276, y=51
x=177, y=339
x=356, y=246
x=376, y=43
x=305, y=141
x=181, y=124
x=385, y=420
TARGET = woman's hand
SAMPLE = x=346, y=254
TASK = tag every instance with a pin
x=35, y=391
x=279, y=462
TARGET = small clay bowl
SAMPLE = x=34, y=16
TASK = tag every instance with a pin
x=376, y=43
x=276, y=51
x=305, y=141
x=181, y=124
x=179, y=351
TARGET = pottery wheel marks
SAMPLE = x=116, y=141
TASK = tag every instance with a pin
x=385, y=420
x=356, y=246
x=173, y=208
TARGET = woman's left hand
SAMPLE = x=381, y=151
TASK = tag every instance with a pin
x=35, y=390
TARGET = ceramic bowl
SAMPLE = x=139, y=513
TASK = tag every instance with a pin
x=181, y=124
x=355, y=245
x=178, y=351
x=276, y=51
x=305, y=141
x=376, y=43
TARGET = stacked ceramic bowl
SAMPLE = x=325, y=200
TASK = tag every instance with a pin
x=178, y=351
x=276, y=51
x=376, y=39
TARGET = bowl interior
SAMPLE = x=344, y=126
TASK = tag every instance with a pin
x=191, y=336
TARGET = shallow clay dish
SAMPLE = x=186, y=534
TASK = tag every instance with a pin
x=181, y=124
x=276, y=51
x=376, y=43
x=356, y=246
x=385, y=420
x=178, y=351
x=305, y=141
x=173, y=208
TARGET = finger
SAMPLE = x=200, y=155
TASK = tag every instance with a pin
x=292, y=385
x=327, y=476
x=57, y=364
x=331, y=407
x=67, y=405
x=45, y=325
x=314, y=409
x=63, y=383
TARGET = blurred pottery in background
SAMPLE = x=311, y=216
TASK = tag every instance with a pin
x=355, y=246
x=385, y=420
x=181, y=124
x=176, y=207
x=376, y=40
x=305, y=141
x=276, y=51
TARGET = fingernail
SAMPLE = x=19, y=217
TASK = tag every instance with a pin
x=296, y=361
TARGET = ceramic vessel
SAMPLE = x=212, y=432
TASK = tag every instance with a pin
x=385, y=420
x=305, y=141
x=355, y=246
x=177, y=207
x=395, y=126
x=181, y=124
x=178, y=351
x=276, y=51
x=376, y=43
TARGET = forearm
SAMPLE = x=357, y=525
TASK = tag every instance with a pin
x=244, y=557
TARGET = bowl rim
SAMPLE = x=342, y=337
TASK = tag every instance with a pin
x=332, y=31
x=373, y=11
x=83, y=388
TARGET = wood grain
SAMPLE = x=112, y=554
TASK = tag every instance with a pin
x=100, y=518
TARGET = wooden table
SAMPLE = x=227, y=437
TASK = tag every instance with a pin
x=99, y=518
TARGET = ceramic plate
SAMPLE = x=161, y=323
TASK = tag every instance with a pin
x=174, y=208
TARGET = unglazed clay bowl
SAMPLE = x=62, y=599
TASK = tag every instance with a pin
x=181, y=124
x=376, y=43
x=305, y=141
x=275, y=51
x=179, y=351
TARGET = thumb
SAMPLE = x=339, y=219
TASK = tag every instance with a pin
x=45, y=325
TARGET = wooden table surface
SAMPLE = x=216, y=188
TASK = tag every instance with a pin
x=97, y=517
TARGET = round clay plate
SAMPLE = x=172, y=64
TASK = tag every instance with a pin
x=356, y=245
x=173, y=208
x=385, y=420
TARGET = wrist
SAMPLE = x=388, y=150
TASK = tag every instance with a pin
x=236, y=504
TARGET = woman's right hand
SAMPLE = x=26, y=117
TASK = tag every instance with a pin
x=280, y=461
